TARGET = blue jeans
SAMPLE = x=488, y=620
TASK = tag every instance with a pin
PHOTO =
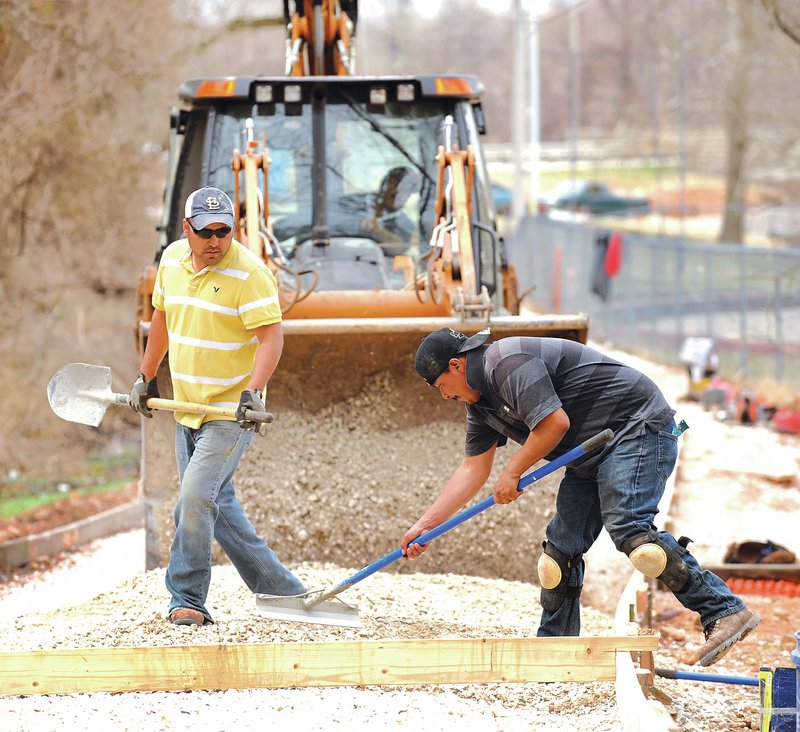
x=622, y=495
x=208, y=508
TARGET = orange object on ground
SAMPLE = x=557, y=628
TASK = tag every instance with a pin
x=763, y=587
x=787, y=420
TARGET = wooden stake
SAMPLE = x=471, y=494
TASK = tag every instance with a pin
x=337, y=663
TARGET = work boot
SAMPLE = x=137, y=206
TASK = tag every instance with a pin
x=721, y=634
x=186, y=616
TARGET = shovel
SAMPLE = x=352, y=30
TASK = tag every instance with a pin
x=81, y=392
x=312, y=608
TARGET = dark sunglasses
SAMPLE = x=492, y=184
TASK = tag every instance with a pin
x=208, y=233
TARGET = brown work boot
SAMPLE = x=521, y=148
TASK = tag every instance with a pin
x=724, y=632
x=186, y=616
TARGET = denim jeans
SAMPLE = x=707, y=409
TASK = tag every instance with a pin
x=622, y=495
x=208, y=508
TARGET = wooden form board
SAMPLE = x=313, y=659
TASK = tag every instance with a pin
x=636, y=712
x=756, y=571
x=18, y=552
x=337, y=663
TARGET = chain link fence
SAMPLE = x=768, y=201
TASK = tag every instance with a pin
x=647, y=294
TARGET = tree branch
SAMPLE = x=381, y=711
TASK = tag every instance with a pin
x=240, y=24
x=775, y=14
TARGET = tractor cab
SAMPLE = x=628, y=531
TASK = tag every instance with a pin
x=352, y=172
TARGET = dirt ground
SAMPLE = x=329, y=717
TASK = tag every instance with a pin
x=698, y=706
x=64, y=511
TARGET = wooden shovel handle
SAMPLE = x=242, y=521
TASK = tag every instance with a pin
x=175, y=406
x=172, y=405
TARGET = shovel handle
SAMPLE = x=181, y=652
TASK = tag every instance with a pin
x=592, y=443
x=171, y=405
x=601, y=438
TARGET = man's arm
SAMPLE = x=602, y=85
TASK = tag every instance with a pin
x=270, y=348
x=157, y=345
x=462, y=486
x=541, y=441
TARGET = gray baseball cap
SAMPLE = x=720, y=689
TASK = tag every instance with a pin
x=209, y=206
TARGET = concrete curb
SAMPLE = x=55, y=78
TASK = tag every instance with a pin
x=19, y=552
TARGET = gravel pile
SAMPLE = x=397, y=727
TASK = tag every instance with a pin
x=343, y=484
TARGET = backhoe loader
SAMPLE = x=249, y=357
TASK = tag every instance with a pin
x=368, y=197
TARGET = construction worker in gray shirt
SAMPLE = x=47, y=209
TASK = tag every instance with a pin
x=548, y=395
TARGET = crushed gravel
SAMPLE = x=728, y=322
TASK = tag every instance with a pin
x=392, y=607
x=344, y=483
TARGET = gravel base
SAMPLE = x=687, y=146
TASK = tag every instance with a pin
x=341, y=486
x=438, y=708
x=391, y=606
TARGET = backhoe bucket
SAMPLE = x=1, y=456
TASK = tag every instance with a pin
x=325, y=361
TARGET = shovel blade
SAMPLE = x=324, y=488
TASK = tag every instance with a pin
x=278, y=607
x=81, y=392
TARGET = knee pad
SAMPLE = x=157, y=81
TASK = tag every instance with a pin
x=654, y=557
x=554, y=568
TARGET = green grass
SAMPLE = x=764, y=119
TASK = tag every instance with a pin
x=646, y=175
x=13, y=506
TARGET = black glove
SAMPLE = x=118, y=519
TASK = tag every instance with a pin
x=142, y=391
x=251, y=400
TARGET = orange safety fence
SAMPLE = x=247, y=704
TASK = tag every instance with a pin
x=767, y=587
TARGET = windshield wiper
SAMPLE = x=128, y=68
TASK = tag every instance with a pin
x=367, y=117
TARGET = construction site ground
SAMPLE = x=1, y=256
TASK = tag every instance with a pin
x=735, y=483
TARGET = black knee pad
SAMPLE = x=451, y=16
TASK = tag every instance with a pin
x=655, y=557
x=554, y=568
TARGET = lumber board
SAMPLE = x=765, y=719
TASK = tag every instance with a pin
x=789, y=572
x=636, y=711
x=19, y=552
x=336, y=663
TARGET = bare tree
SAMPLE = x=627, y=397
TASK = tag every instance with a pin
x=80, y=98
x=736, y=123
x=75, y=78
x=785, y=14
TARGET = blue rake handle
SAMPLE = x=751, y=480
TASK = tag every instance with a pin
x=591, y=444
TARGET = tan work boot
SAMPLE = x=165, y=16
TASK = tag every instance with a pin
x=186, y=616
x=724, y=632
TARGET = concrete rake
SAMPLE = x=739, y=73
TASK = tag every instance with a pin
x=314, y=606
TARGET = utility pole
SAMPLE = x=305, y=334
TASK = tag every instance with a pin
x=534, y=106
x=518, y=113
x=682, y=116
x=575, y=86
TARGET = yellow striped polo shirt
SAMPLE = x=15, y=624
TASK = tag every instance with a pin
x=210, y=316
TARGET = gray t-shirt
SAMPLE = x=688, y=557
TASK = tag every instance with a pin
x=523, y=380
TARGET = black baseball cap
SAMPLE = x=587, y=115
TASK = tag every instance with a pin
x=437, y=348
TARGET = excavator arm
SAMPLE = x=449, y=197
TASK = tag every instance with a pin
x=320, y=37
x=451, y=243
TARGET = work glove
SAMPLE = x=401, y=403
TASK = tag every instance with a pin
x=141, y=391
x=251, y=400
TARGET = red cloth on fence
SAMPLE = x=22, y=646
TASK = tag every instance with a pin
x=613, y=260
